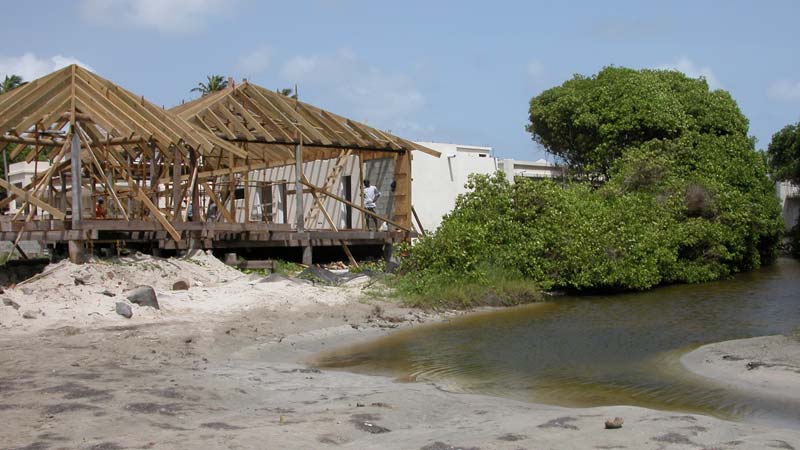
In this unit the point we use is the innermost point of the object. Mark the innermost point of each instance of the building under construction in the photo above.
(240, 168)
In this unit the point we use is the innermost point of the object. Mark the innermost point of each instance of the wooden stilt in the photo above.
(298, 189)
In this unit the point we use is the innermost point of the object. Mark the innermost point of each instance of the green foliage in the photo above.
(374, 266)
(678, 194)
(784, 154)
(451, 291)
(288, 268)
(10, 82)
(287, 92)
(590, 121)
(215, 83)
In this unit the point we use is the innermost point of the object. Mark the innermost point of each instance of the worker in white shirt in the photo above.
(371, 195)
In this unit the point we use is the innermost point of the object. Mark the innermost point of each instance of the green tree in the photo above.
(287, 92)
(590, 121)
(214, 83)
(784, 154)
(669, 189)
(11, 82)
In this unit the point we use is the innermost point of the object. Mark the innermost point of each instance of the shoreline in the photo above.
(768, 366)
(212, 371)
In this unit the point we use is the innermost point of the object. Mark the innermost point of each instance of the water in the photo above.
(600, 350)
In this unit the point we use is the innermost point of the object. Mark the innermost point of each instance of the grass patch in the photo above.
(448, 291)
(285, 268)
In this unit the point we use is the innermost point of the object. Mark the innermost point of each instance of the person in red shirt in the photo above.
(100, 210)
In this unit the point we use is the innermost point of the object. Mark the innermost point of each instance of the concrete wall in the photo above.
(438, 181)
(789, 198)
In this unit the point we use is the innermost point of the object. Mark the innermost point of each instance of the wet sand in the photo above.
(768, 365)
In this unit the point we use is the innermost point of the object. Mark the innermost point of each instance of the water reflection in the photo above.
(599, 350)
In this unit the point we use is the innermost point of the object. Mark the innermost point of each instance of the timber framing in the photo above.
(179, 177)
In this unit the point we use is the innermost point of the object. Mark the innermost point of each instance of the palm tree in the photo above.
(288, 92)
(11, 82)
(215, 83)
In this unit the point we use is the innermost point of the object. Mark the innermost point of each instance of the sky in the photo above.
(460, 72)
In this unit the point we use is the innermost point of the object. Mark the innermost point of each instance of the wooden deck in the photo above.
(205, 235)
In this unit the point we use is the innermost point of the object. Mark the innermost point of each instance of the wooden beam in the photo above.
(363, 210)
(333, 225)
(220, 206)
(75, 158)
(56, 213)
(158, 215)
(298, 188)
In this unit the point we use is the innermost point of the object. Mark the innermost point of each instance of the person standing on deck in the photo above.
(371, 195)
(100, 209)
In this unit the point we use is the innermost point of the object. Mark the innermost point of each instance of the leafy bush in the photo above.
(676, 193)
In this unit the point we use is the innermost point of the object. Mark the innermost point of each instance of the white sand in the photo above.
(216, 289)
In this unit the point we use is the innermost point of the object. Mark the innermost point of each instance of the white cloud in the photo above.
(693, 70)
(534, 69)
(30, 67)
(369, 92)
(255, 62)
(784, 90)
(166, 16)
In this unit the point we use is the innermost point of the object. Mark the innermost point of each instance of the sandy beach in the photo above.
(768, 365)
(220, 365)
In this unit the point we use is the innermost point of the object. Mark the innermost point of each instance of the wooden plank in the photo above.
(55, 212)
(220, 206)
(335, 228)
(158, 215)
(363, 210)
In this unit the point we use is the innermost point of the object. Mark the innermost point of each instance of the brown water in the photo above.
(600, 350)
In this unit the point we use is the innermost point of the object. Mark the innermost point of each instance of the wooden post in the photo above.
(246, 195)
(176, 181)
(76, 180)
(5, 162)
(308, 254)
(5, 168)
(195, 191)
(360, 190)
(298, 191)
(76, 246)
(129, 171)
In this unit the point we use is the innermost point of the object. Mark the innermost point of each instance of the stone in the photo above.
(143, 296)
(79, 281)
(29, 315)
(124, 310)
(615, 423)
(108, 293)
(11, 303)
(181, 284)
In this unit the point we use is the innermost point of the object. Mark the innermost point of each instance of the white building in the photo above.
(20, 174)
(438, 181)
(789, 198)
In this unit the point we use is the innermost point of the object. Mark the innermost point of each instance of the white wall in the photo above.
(789, 198)
(436, 182)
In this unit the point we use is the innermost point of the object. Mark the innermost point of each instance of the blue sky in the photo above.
(427, 70)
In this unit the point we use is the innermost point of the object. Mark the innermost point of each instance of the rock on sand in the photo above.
(143, 296)
(124, 310)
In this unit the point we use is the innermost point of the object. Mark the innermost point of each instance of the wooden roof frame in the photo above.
(45, 111)
(250, 114)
